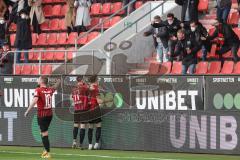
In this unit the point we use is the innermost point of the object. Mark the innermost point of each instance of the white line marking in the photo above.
(81, 155)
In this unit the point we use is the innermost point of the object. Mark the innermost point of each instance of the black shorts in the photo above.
(81, 116)
(44, 123)
(95, 115)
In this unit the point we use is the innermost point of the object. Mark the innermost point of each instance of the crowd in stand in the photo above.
(27, 13)
(181, 40)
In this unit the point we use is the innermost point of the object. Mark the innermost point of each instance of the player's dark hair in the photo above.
(79, 78)
(44, 79)
(93, 79)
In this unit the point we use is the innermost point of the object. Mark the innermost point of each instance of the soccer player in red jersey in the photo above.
(95, 112)
(43, 99)
(80, 99)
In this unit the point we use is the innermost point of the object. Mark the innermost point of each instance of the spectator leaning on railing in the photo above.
(23, 39)
(160, 34)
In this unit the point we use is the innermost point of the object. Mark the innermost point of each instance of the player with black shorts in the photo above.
(95, 112)
(43, 99)
(80, 99)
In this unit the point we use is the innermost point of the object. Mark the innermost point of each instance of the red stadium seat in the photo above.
(153, 68)
(106, 22)
(56, 10)
(115, 20)
(237, 68)
(12, 39)
(106, 8)
(228, 67)
(35, 70)
(54, 24)
(49, 55)
(203, 5)
(96, 9)
(26, 69)
(237, 31)
(34, 39)
(95, 21)
(64, 10)
(47, 10)
(47, 1)
(70, 54)
(62, 38)
(42, 39)
(72, 37)
(117, 6)
(18, 69)
(138, 4)
(165, 68)
(83, 40)
(214, 68)
(233, 18)
(46, 69)
(33, 56)
(52, 39)
(202, 68)
(45, 25)
(60, 56)
(92, 36)
(62, 25)
(176, 68)
(57, 1)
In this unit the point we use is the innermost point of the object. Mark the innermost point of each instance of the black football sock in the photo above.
(46, 143)
(98, 134)
(82, 135)
(75, 132)
(90, 135)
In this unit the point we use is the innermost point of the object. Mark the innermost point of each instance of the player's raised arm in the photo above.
(33, 103)
(56, 85)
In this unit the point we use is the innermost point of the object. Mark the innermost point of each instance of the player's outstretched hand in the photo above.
(25, 114)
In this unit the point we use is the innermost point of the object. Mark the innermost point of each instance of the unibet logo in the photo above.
(227, 101)
(112, 98)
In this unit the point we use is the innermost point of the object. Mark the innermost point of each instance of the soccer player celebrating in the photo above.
(95, 112)
(43, 99)
(79, 96)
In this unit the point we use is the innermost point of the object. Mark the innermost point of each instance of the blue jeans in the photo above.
(19, 56)
(204, 53)
(161, 53)
(191, 68)
(222, 14)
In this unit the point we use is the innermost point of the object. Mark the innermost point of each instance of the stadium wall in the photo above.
(198, 114)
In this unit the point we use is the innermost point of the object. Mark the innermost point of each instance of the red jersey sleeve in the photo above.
(37, 93)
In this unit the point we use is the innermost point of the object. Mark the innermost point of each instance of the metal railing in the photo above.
(101, 24)
(66, 62)
(136, 21)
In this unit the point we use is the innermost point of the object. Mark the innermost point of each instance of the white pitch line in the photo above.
(81, 155)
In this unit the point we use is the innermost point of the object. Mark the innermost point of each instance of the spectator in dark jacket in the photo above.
(173, 25)
(227, 40)
(23, 35)
(189, 10)
(188, 48)
(200, 34)
(3, 30)
(160, 34)
(223, 10)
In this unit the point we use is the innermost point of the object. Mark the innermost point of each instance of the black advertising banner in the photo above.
(166, 93)
(222, 93)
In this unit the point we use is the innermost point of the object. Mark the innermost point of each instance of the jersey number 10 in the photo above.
(48, 101)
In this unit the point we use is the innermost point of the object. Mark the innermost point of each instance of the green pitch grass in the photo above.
(33, 153)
